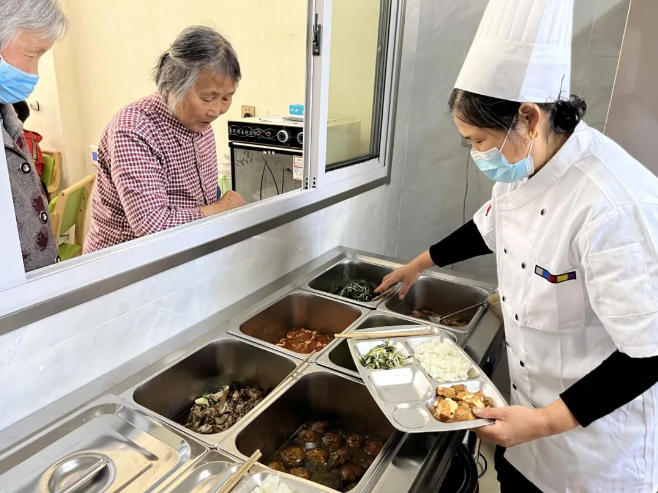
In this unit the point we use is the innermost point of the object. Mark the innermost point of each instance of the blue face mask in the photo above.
(494, 165)
(15, 85)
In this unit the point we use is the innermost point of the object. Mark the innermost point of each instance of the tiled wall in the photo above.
(434, 187)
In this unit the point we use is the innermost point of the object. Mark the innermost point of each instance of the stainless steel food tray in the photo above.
(313, 393)
(169, 393)
(338, 357)
(106, 447)
(405, 394)
(296, 310)
(442, 294)
(356, 270)
(212, 470)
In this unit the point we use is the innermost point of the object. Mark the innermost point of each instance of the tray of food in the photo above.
(424, 384)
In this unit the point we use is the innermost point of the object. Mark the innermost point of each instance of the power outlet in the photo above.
(248, 111)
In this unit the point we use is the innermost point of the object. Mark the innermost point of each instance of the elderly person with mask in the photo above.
(28, 29)
(157, 161)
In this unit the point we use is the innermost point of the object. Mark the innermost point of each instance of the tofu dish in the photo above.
(455, 404)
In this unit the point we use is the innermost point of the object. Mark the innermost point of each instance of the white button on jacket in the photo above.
(586, 227)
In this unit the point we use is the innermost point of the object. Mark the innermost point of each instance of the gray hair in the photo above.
(42, 16)
(196, 49)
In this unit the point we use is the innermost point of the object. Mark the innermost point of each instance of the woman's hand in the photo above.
(407, 275)
(230, 200)
(517, 424)
(514, 425)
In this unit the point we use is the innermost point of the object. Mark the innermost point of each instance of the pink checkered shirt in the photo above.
(153, 174)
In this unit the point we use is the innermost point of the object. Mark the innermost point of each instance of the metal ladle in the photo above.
(492, 299)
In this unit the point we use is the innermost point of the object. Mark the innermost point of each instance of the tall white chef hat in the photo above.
(521, 52)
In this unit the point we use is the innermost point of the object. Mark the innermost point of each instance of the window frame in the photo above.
(61, 286)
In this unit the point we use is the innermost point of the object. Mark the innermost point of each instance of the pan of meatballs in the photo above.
(327, 454)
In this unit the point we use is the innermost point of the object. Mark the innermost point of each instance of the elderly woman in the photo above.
(28, 29)
(157, 162)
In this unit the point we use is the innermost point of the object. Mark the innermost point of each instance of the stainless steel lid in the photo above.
(104, 448)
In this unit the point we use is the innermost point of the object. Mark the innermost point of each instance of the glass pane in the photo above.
(263, 174)
(355, 91)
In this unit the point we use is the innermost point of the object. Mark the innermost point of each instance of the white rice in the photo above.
(443, 361)
(272, 484)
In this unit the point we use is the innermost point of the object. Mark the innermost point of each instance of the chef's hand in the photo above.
(230, 200)
(407, 275)
(515, 425)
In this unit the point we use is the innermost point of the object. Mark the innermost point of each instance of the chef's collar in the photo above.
(572, 150)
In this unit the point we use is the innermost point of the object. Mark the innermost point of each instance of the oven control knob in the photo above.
(300, 137)
(283, 136)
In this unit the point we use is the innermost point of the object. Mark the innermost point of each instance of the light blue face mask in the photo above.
(495, 166)
(15, 85)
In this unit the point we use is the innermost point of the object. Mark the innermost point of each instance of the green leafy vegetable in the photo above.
(384, 357)
(356, 290)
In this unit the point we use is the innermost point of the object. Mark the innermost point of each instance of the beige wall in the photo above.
(354, 41)
(633, 116)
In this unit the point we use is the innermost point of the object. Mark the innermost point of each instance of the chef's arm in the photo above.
(619, 378)
(463, 244)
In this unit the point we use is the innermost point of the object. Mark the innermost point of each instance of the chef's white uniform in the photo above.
(577, 256)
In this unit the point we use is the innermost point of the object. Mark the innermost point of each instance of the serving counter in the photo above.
(153, 391)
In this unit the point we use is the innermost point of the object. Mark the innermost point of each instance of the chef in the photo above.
(573, 221)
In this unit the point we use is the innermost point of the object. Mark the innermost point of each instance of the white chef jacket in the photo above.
(577, 258)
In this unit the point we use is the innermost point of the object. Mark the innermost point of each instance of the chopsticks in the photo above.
(237, 477)
(294, 374)
(387, 335)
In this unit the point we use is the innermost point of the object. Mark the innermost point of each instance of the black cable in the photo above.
(273, 179)
(283, 180)
(484, 467)
(262, 176)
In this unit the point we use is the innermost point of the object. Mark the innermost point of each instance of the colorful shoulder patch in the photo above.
(541, 272)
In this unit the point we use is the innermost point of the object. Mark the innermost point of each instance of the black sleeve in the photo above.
(462, 244)
(612, 384)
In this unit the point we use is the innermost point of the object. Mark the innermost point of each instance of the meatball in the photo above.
(318, 456)
(301, 472)
(368, 463)
(320, 427)
(293, 456)
(352, 473)
(333, 440)
(373, 448)
(307, 436)
(355, 441)
(277, 466)
(350, 487)
(340, 457)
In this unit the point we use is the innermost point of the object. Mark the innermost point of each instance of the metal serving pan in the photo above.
(442, 296)
(106, 447)
(406, 394)
(352, 269)
(317, 393)
(170, 393)
(299, 310)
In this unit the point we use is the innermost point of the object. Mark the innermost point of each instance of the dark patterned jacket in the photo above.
(31, 207)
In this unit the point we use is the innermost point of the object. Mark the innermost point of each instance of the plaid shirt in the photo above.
(153, 174)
